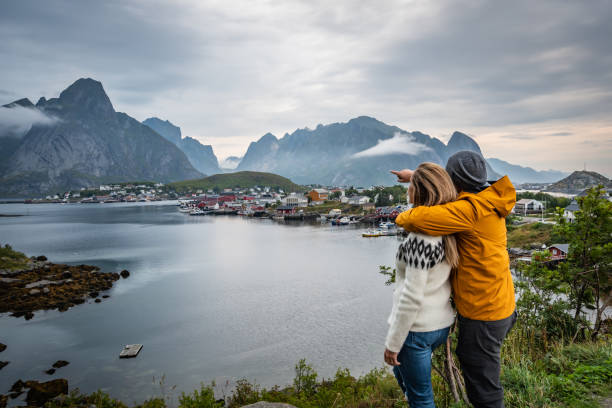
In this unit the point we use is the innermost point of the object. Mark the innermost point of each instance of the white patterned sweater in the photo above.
(421, 299)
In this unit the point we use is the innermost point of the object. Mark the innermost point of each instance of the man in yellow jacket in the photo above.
(482, 284)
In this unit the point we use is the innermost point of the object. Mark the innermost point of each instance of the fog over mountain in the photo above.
(79, 140)
(230, 163)
(360, 152)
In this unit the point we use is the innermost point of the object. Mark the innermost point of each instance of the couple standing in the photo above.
(456, 239)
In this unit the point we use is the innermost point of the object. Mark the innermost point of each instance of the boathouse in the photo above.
(285, 209)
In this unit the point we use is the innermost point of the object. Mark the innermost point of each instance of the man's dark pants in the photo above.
(478, 349)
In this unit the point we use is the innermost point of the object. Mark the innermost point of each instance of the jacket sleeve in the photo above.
(409, 304)
(443, 219)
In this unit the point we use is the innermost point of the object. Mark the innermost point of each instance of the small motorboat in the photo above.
(341, 221)
(371, 233)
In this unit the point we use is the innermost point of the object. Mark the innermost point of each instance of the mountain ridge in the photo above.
(358, 152)
(89, 144)
(523, 174)
(201, 156)
(579, 181)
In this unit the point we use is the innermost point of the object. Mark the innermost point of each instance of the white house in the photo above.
(568, 212)
(527, 206)
(358, 200)
(294, 200)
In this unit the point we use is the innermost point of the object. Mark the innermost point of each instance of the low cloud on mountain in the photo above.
(16, 121)
(400, 143)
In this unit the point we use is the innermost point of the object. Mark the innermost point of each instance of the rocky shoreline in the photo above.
(28, 285)
(43, 285)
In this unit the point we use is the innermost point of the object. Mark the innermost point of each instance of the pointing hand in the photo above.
(403, 176)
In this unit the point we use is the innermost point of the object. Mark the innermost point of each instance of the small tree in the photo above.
(589, 261)
(541, 305)
(305, 380)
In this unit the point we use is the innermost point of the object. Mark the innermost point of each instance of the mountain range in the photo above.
(79, 140)
(359, 152)
(519, 174)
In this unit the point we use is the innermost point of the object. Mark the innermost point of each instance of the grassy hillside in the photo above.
(523, 236)
(241, 179)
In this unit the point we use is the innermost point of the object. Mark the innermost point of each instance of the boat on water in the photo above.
(345, 220)
(200, 211)
(385, 229)
(341, 221)
(371, 233)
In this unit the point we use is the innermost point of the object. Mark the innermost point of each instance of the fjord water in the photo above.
(210, 298)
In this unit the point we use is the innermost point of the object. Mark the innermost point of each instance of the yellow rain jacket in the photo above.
(482, 284)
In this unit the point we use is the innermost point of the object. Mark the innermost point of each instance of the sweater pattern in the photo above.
(415, 252)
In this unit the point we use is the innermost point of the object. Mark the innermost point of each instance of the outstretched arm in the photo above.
(443, 219)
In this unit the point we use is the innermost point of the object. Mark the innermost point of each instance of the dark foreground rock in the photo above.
(125, 273)
(18, 386)
(2, 347)
(43, 285)
(3, 401)
(60, 364)
(3, 364)
(39, 393)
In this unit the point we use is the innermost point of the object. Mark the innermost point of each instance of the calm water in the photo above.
(211, 298)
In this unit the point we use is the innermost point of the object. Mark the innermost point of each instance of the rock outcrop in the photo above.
(40, 393)
(43, 285)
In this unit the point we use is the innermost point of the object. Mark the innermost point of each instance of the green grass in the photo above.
(536, 373)
(241, 179)
(523, 236)
(12, 260)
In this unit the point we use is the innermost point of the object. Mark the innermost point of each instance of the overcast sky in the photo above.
(531, 81)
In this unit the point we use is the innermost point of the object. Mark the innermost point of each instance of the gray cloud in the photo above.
(235, 70)
(18, 120)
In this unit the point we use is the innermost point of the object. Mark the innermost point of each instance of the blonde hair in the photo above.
(431, 185)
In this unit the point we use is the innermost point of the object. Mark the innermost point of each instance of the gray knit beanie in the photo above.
(468, 171)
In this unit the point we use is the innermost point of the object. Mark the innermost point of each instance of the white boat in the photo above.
(343, 221)
(371, 233)
(199, 211)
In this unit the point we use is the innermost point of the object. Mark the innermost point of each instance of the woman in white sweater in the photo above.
(422, 313)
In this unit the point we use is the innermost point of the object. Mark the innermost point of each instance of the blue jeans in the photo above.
(414, 372)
